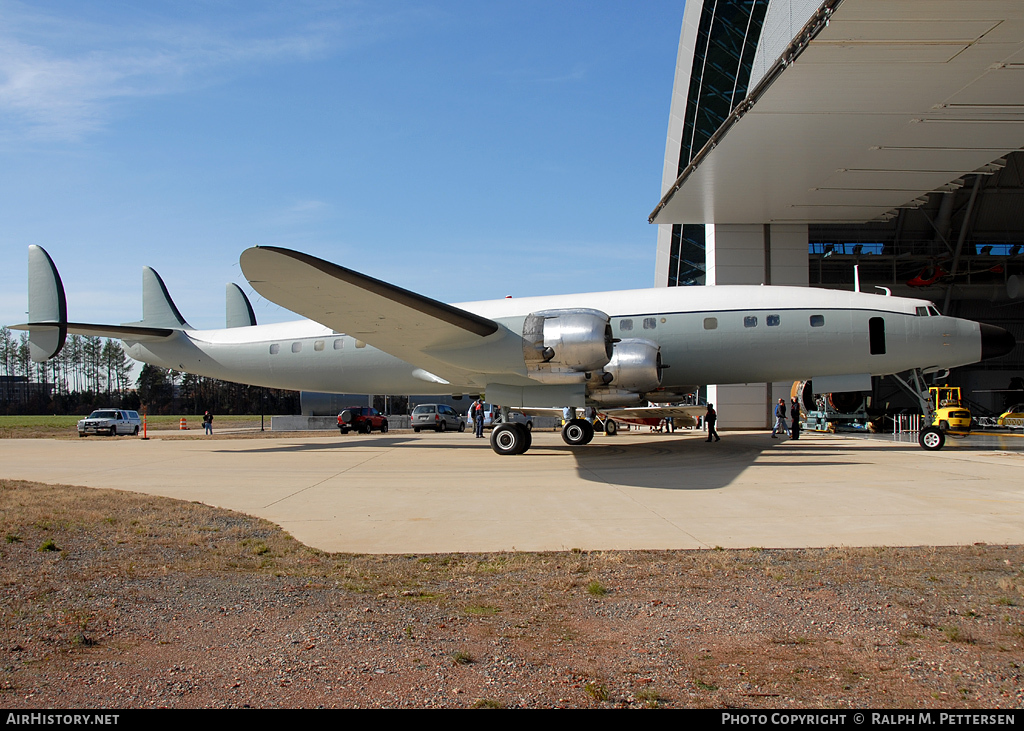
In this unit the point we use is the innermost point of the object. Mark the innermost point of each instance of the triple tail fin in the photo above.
(238, 308)
(48, 324)
(47, 307)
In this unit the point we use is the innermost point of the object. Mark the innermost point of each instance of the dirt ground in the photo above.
(117, 600)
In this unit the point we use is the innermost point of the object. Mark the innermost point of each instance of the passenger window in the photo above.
(650, 323)
(772, 321)
(339, 344)
(749, 321)
(275, 349)
(318, 345)
(817, 321)
(625, 324)
(296, 347)
(710, 323)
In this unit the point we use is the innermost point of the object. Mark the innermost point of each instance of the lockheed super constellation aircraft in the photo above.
(600, 349)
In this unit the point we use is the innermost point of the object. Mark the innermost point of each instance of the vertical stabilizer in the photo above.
(158, 309)
(238, 309)
(47, 307)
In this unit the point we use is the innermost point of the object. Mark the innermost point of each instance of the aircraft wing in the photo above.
(405, 324)
(655, 412)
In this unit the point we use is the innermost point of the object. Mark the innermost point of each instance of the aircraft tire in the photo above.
(590, 432)
(527, 435)
(932, 439)
(575, 432)
(611, 428)
(507, 439)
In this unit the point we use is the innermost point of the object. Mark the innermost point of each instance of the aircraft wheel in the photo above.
(508, 439)
(932, 439)
(590, 432)
(576, 432)
(527, 435)
(384, 427)
(611, 428)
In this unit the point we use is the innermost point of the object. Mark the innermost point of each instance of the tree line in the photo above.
(92, 372)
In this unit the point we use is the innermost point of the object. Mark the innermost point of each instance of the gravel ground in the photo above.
(117, 600)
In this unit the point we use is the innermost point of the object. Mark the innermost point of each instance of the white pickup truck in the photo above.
(110, 422)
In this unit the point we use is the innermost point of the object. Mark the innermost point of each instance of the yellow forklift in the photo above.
(951, 413)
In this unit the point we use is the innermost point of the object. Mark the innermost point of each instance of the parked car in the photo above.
(361, 419)
(438, 417)
(492, 417)
(110, 422)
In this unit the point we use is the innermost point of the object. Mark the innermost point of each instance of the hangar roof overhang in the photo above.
(875, 104)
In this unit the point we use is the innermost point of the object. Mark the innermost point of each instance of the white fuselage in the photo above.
(714, 334)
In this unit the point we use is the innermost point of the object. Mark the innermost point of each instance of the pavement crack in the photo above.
(329, 477)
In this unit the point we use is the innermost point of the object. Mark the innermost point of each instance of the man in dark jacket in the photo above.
(709, 419)
(794, 414)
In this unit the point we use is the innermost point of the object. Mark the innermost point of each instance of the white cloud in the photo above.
(60, 77)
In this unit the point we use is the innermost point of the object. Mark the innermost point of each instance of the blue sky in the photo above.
(464, 150)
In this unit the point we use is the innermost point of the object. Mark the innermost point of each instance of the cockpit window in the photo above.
(921, 311)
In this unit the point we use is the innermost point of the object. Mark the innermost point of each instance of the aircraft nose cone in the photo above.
(995, 341)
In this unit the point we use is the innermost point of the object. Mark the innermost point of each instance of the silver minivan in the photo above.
(438, 417)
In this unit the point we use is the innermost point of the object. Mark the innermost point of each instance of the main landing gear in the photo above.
(511, 438)
(577, 432)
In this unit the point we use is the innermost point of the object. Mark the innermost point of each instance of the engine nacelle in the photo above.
(576, 340)
(635, 365)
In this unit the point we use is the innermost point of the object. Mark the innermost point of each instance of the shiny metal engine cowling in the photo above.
(635, 365)
(575, 340)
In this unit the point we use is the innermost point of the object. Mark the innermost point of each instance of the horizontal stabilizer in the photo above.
(238, 308)
(123, 332)
(47, 307)
(395, 320)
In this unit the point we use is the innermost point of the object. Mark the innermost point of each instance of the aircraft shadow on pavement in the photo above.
(686, 461)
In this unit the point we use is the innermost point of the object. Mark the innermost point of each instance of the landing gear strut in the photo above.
(931, 438)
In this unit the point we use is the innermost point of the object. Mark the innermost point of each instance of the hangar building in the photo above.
(807, 137)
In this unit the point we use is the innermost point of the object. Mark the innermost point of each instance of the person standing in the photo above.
(794, 414)
(208, 423)
(780, 419)
(709, 419)
(477, 410)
